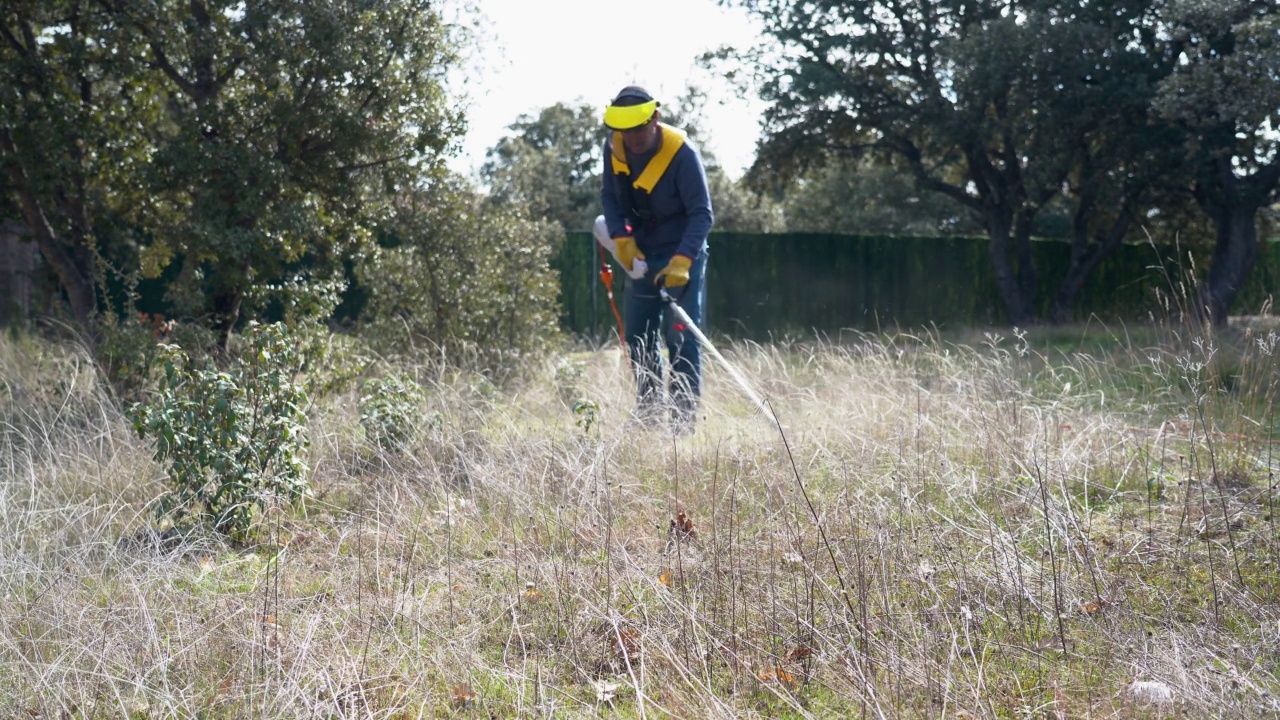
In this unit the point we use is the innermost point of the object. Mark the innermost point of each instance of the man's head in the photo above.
(634, 112)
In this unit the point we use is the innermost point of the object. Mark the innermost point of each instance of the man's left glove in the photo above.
(676, 273)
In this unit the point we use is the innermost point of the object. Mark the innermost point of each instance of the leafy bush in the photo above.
(464, 281)
(390, 410)
(126, 351)
(329, 362)
(233, 439)
(587, 412)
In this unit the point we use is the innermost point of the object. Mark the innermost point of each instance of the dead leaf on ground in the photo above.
(531, 593)
(625, 642)
(681, 528)
(1096, 605)
(778, 674)
(799, 652)
(463, 695)
(666, 577)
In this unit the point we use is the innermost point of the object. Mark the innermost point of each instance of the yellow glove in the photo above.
(676, 273)
(627, 251)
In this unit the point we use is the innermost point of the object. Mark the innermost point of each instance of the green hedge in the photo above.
(760, 285)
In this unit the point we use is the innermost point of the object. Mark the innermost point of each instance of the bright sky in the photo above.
(535, 54)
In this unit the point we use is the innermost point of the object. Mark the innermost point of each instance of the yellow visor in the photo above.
(630, 116)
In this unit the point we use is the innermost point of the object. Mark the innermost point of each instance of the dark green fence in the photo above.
(760, 285)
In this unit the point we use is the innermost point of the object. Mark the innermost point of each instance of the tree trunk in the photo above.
(1234, 252)
(1004, 206)
(1232, 203)
(1085, 258)
(1028, 275)
(226, 313)
(1010, 278)
(79, 286)
(16, 264)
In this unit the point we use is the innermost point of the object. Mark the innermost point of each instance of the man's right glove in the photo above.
(627, 252)
(639, 268)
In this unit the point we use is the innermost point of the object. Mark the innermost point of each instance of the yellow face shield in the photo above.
(630, 116)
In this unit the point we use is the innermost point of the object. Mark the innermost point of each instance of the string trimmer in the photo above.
(697, 332)
(638, 271)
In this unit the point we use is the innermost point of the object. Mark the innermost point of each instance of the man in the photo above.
(657, 211)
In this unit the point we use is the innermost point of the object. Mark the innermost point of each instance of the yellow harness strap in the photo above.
(672, 141)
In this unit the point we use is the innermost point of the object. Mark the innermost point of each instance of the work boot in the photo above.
(682, 425)
(684, 417)
(646, 415)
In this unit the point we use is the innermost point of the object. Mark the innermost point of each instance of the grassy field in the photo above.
(1059, 524)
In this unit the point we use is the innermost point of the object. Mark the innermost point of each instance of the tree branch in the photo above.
(162, 61)
(29, 35)
(157, 49)
(13, 40)
(200, 13)
(908, 150)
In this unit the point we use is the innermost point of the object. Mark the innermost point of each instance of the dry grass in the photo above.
(996, 530)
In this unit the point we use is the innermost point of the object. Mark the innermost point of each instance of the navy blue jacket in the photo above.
(680, 200)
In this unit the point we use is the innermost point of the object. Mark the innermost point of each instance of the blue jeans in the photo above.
(648, 320)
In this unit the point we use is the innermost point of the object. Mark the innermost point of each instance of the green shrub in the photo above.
(232, 438)
(126, 352)
(464, 282)
(391, 410)
(330, 362)
(587, 412)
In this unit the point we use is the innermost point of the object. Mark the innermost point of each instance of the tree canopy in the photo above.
(551, 164)
(849, 194)
(1010, 106)
(1224, 94)
(233, 138)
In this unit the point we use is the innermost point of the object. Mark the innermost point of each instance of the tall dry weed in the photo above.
(1008, 528)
